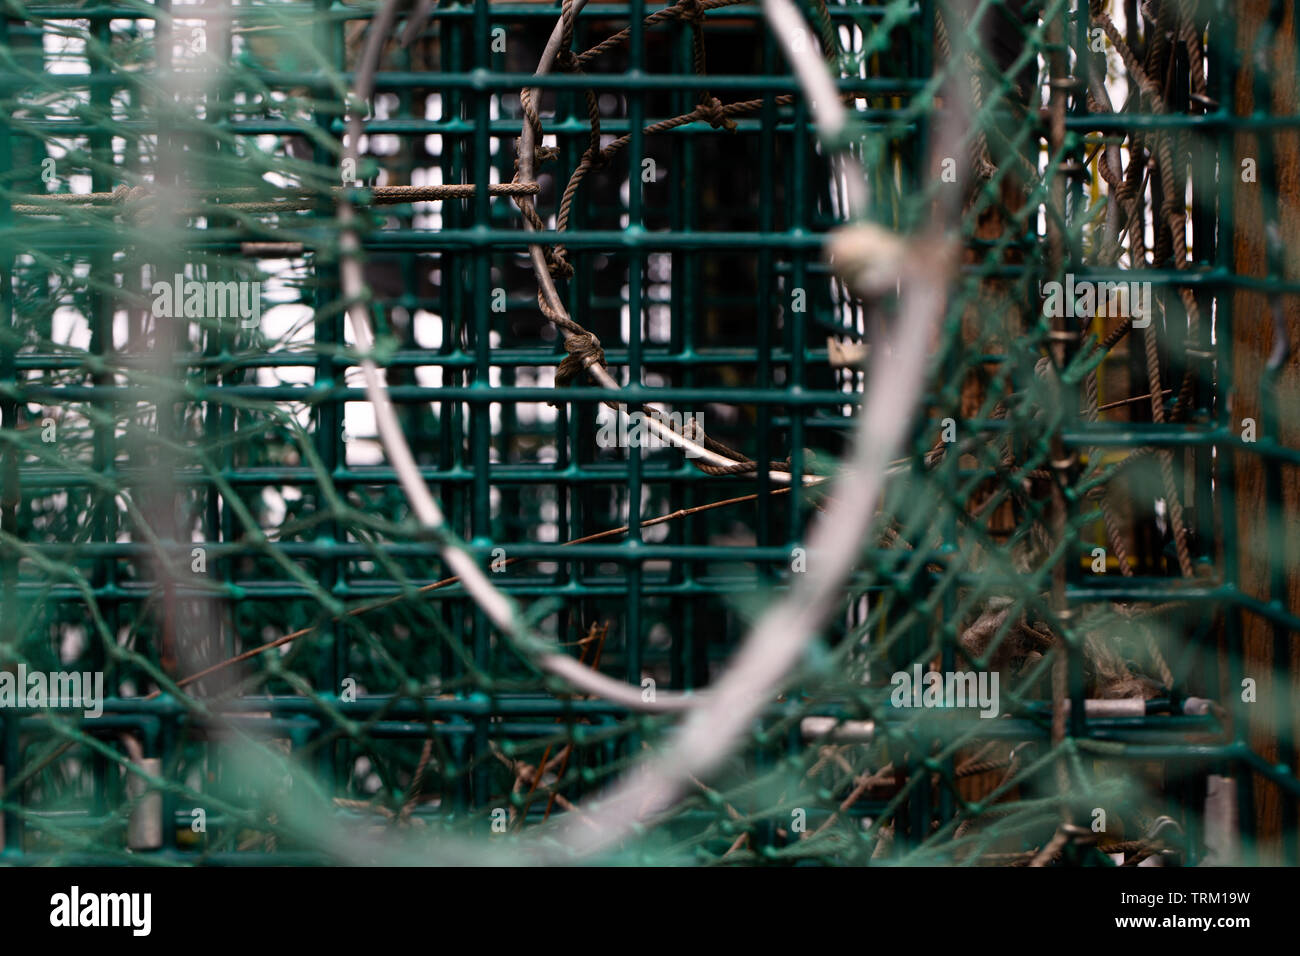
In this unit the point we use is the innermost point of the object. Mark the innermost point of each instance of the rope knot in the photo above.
(568, 61)
(133, 200)
(712, 112)
(541, 155)
(125, 194)
(691, 11)
(584, 351)
(558, 265)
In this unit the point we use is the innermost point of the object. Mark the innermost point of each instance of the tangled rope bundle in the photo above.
(585, 354)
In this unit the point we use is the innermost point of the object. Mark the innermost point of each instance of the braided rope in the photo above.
(1174, 216)
(583, 349)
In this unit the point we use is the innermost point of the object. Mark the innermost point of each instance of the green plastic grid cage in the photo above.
(208, 489)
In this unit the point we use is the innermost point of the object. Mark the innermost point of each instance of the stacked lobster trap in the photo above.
(416, 420)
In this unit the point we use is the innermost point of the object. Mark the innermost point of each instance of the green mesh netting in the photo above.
(274, 661)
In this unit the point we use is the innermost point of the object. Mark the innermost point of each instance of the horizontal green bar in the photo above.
(134, 858)
(1211, 122)
(1274, 611)
(255, 591)
(483, 705)
(501, 476)
(1130, 436)
(500, 358)
(624, 551)
(480, 80)
(1197, 277)
(502, 127)
(338, 12)
(26, 235)
(478, 394)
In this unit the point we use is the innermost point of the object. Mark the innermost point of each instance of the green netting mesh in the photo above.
(226, 636)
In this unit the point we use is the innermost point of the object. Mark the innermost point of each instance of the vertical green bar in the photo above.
(677, 207)
(480, 410)
(765, 305)
(798, 224)
(9, 484)
(328, 436)
(690, 312)
(636, 305)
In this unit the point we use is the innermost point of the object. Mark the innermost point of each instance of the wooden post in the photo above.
(1251, 341)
